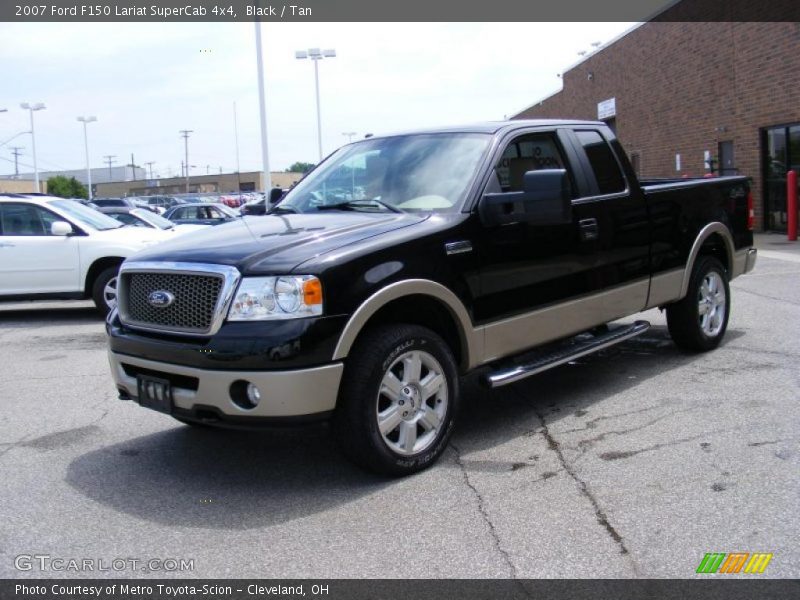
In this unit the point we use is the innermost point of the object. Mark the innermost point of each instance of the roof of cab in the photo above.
(493, 127)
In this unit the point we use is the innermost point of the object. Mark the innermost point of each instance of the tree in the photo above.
(66, 188)
(300, 167)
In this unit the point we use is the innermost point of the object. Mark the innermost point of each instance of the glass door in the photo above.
(780, 153)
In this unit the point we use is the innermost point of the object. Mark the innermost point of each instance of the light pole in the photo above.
(33, 108)
(262, 108)
(349, 135)
(86, 121)
(316, 55)
(185, 134)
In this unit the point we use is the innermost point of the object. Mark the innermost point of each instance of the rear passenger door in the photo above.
(611, 219)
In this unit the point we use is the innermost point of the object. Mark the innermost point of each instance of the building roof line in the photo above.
(583, 59)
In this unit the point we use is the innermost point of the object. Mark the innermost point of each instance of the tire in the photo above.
(385, 380)
(698, 322)
(104, 290)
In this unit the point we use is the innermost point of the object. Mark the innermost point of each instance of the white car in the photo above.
(56, 248)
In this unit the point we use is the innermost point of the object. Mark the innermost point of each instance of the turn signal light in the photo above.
(312, 292)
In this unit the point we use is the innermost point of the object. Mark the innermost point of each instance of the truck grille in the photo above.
(198, 299)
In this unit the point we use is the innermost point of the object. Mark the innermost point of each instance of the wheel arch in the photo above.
(97, 267)
(714, 239)
(422, 302)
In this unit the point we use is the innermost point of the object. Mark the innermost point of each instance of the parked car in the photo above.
(57, 248)
(504, 246)
(163, 203)
(200, 214)
(140, 217)
(231, 200)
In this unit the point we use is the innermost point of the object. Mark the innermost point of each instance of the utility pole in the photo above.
(150, 164)
(15, 150)
(185, 134)
(208, 169)
(109, 159)
(133, 167)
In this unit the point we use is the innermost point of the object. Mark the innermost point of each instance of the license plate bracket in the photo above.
(154, 393)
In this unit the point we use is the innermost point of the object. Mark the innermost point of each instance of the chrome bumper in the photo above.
(283, 393)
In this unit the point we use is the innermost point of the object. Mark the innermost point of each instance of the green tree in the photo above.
(66, 188)
(300, 167)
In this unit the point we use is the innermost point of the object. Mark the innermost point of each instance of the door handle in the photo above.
(589, 230)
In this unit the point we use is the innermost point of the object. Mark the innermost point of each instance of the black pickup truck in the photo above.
(402, 262)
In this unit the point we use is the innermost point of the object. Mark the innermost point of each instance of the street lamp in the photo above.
(33, 108)
(349, 135)
(316, 55)
(86, 121)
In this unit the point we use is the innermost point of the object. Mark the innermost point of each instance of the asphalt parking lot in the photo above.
(631, 463)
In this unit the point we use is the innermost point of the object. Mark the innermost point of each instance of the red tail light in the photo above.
(751, 215)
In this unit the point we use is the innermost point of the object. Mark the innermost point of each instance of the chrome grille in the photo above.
(195, 300)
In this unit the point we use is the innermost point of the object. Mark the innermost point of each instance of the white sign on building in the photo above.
(607, 109)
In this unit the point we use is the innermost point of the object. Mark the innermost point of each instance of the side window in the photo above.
(604, 164)
(530, 152)
(26, 219)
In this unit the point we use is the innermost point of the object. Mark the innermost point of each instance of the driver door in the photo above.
(32, 260)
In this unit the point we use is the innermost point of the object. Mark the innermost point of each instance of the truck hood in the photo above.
(276, 244)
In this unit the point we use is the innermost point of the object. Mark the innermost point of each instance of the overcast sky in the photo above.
(145, 82)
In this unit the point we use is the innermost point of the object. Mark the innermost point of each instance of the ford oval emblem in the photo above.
(160, 298)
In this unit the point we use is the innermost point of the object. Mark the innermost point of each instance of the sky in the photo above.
(147, 81)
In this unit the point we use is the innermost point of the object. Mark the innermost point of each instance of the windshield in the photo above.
(86, 216)
(152, 218)
(424, 172)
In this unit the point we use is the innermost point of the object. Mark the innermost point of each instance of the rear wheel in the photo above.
(398, 400)
(698, 322)
(104, 290)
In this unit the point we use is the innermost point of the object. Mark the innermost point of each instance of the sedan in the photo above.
(140, 217)
(200, 214)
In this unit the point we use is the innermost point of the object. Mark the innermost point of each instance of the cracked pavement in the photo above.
(630, 463)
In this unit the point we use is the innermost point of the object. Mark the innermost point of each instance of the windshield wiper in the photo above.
(356, 204)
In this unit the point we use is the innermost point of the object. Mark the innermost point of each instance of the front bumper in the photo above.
(205, 395)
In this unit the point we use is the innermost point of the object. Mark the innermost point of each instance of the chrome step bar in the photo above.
(547, 360)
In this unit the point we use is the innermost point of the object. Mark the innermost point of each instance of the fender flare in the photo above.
(702, 236)
(471, 341)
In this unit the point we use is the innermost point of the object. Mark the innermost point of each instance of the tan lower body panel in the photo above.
(283, 393)
(513, 335)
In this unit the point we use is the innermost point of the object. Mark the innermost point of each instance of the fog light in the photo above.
(244, 394)
(253, 395)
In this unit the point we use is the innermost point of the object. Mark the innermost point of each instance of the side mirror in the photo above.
(544, 200)
(275, 196)
(61, 228)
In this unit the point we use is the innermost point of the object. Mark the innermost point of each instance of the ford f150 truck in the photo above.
(402, 262)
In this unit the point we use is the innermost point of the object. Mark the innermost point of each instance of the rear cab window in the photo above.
(603, 163)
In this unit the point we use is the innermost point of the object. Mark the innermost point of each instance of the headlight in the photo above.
(288, 297)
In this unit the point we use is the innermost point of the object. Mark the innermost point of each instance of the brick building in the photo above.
(689, 98)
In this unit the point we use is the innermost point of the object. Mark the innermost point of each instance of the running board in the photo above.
(561, 355)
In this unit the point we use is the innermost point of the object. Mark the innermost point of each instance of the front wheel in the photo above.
(104, 290)
(698, 322)
(398, 400)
